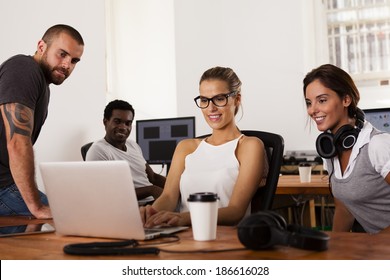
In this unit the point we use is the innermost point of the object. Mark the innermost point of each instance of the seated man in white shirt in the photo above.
(118, 119)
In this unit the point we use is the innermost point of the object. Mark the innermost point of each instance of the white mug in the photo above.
(305, 173)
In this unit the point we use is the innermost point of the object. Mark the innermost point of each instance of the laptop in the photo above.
(95, 199)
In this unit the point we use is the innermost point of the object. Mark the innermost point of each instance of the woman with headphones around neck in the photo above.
(357, 156)
(227, 162)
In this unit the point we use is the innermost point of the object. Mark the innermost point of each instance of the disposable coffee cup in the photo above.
(204, 214)
(305, 172)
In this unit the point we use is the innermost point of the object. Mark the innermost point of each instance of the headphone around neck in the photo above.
(329, 145)
(266, 229)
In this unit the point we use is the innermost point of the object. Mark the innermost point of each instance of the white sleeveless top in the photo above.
(210, 169)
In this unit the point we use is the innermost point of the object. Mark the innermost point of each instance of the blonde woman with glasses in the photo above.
(227, 162)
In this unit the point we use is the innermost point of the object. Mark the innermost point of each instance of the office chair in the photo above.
(274, 147)
(84, 149)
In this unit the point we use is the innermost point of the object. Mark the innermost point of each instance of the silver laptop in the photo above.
(95, 199)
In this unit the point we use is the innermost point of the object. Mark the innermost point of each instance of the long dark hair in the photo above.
(337, 80)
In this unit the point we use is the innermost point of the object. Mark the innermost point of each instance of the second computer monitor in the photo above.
(379, 118)
(158, 137)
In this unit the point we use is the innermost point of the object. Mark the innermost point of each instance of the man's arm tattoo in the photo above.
(19, 118)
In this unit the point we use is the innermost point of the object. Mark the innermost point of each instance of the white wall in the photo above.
(170, 44)
(141, 56)
(159, 49)
(76, 106)
(163, 47)
(266, 43)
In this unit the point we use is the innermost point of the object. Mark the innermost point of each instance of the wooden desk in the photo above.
(290, 184)
(293, 169)
(319, 185)
(49, 246)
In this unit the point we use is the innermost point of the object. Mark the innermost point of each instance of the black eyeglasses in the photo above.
(219, 100)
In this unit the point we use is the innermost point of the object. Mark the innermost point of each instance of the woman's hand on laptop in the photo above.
(164, 218)
(146, 212)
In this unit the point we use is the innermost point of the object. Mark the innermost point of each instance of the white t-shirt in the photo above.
(102, 150)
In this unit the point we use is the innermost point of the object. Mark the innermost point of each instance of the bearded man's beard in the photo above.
(49, 72)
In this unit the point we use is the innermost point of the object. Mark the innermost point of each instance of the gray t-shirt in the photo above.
(21, 81)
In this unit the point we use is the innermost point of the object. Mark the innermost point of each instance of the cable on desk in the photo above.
(131, 247)
(125, 247)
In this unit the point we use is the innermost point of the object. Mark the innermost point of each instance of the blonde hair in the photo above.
(223, 74)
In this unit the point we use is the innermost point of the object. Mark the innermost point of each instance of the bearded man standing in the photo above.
(24, 100)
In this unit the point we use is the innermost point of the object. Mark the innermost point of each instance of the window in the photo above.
(358, 36)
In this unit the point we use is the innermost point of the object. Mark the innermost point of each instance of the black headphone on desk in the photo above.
(266, 229)
(328, 145)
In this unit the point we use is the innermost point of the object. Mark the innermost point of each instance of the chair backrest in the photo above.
(84, 149)
(274, 146)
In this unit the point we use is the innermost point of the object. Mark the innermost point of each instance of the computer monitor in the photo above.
(158, 137)
(379, 118)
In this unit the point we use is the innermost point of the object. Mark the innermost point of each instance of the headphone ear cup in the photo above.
(265, 229)
(325, 145)
(345, 137)
(307, 238)
(277, 219)
(262, 230)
